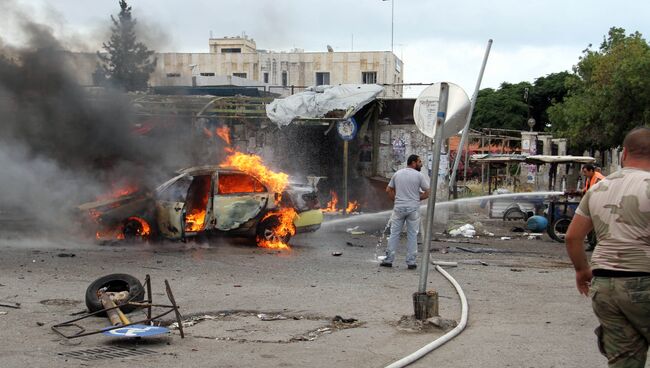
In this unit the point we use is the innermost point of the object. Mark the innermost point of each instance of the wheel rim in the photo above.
(560, 228)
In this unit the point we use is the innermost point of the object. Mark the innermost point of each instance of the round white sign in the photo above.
(425, 110)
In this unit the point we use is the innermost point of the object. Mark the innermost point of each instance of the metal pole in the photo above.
(392, 23)
(345, 177)
(431, 203)
(452, 179)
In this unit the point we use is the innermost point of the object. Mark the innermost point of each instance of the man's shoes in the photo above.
(386, 264)
(412, 267)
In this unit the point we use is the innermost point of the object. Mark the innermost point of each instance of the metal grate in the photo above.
(108, 352)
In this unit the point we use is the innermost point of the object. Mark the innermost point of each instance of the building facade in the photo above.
(237, 61)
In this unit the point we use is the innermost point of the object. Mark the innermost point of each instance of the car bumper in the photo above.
(308, 221)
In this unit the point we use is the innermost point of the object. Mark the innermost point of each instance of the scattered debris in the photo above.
(518, 229)
(474, 262)
(506, 238)
(3, 313)
(40, 323)
(336, 254)
(355, 231)
(266, 317)
(344, 320)
(466, 231)
(442, 323)
(516, 270)
(63, 255)
(350, 244)
(10, 305)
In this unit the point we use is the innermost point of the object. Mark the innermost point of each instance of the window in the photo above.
(231, 50)
(207, 74)
(240, 75)
(322, 78)
(285, 79)
(369, 77)
(266, 77)
(173, 75)
(230, 183)
(177, 191)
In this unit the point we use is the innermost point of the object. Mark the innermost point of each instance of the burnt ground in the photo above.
(524, 309)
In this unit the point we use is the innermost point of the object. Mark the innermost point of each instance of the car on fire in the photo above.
(202, 200)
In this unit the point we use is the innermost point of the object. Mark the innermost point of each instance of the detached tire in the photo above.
(114, 282)
(557, 230)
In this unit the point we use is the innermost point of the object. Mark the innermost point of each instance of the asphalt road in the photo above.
(524, 309)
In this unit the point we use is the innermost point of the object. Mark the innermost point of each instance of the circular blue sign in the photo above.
(135, 331)
(347, 129)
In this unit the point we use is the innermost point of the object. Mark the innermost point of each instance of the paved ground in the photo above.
(524, 309)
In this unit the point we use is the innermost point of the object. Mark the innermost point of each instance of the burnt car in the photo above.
(201, 200)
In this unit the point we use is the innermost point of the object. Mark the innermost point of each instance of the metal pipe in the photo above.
(463, 138)
(431, 203)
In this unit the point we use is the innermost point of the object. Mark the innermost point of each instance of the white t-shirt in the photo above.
(407, 183)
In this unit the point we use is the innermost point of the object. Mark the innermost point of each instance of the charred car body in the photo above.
(206, 199)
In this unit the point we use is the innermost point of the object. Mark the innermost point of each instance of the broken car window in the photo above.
(239, 183)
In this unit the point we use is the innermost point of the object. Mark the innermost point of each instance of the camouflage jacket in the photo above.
(619, 208)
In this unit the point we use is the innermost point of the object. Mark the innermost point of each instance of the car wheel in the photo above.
(266, 230)
(557, 230)
(134, 230)
(514, 214)
(114, 283)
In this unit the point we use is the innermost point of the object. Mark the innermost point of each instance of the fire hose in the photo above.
(444, 338)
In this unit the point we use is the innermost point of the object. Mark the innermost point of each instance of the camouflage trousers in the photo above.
(622, 305)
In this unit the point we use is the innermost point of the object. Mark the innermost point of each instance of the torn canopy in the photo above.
(339, 102)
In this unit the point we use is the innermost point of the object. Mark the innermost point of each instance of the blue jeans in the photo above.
(410, 215)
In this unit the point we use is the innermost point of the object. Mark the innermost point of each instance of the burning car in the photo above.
(209, 199)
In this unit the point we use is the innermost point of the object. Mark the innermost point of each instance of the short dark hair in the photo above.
(412, 159)
(589, 167)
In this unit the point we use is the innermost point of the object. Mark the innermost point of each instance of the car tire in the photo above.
(132, 230)
(515, 214)
(114, 282)
(557, 230)
(266, 230)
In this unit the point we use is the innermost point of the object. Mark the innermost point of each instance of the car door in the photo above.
(170, 206)
(238, 198)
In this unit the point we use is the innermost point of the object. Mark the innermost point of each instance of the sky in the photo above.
(437, 41)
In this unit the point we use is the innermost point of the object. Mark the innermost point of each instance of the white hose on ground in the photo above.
(444, 338)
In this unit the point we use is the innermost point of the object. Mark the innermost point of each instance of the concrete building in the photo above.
(238, 57)
(237, 61)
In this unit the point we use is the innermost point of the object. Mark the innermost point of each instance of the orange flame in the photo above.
(252, 165)
(118, 192)
(194, 220)
(276, 181)
(285, 217)
(224, 133)
(331, 205)
(352, 206)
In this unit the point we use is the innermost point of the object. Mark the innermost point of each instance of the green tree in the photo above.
(126, 62)
(609, 93)
(504, 108)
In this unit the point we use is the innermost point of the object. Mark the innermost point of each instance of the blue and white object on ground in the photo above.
(537, 223)
(135, 331)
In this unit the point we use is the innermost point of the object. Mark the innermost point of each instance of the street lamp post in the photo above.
(392, 23)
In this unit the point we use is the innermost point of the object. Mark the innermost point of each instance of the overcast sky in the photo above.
(437, 40)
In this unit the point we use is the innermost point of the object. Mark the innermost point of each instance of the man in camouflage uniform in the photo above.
(618, 280)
